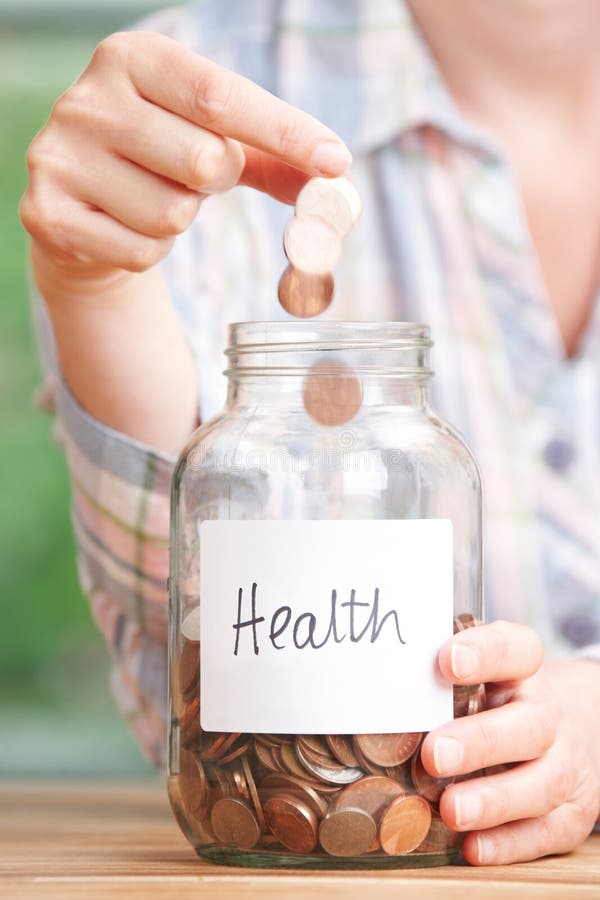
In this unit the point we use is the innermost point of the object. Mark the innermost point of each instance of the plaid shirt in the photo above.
(443, 239)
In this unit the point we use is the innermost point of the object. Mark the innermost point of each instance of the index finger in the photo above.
(501, 651)
(175, 78)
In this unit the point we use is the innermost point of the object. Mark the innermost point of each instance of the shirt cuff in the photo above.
(121, 500)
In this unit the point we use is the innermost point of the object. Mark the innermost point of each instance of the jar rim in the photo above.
(307, 334)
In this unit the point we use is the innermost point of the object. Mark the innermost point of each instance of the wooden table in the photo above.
(96, 840)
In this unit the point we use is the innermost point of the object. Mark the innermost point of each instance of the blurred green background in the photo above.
(56, 712)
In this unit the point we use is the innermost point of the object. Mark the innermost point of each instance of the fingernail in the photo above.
(448, 755)
(465, 661)
(331, 158)
(467, 809)
(485, 849)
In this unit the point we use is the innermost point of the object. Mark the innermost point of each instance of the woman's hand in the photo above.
(149, 130)
(547, 802)
(126, 158)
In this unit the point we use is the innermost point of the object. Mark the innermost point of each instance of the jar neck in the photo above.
(248, 392)
(272, 362)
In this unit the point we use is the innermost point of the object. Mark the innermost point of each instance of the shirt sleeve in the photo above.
(120, 514)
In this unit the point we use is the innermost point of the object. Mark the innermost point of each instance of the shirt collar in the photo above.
(364, 68)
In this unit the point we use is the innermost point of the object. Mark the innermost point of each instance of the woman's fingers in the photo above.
(144, 202)
(521, 730)
(532, 789)
(226, 103)
(78, 235)
(161, 142)
(558, 831)
(502, 651)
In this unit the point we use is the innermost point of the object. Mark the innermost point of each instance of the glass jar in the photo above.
(326, 540)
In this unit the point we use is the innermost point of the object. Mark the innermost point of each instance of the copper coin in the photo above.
(305, 295)
(233, 822)
(235, 753)
(464, 621)
(404, 824)
(251, 784)
(335, 200)
(190, 724)
(373, 794)
(189, 669)
(427, 785)
(439, 837)
(312, 245)
(347, 832)
(341, 747)
(292, 822)
(332, 393)
(338, 775)
(290, 784)
(192, 783)
(290, 761)
(190, 627)
(211, 744)
(388, 749)
(317, 752)
(264, 755)
(369, 767)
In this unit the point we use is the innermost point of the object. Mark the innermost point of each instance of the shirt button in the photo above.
(559, 454)
(580, 629)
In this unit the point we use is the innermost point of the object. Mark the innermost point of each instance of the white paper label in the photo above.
(325, 627)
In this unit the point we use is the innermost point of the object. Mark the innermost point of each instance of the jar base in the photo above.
(272, 859)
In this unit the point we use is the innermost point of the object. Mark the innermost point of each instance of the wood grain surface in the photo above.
(64, 840)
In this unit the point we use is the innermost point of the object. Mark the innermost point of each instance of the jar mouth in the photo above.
(371, 349)
(317, 336)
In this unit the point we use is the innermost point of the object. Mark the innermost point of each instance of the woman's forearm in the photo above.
(123, 352)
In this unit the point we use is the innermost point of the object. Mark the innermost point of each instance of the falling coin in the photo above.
(334, 199)
(388, 749)
(332, 393)
(404, 824)
(347, 832)
(304, 295)
(292, 822)
(312, 245)
(233, 822)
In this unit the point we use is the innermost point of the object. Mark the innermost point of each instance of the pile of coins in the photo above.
(325, 211)
(329, 795)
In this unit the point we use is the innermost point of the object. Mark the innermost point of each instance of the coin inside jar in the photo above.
(192, 783)
(304, 295)
(233, 822)
(372, 794)
(404, 824)
(292, 822)
(439, 837)
(347, 832)
(190, 626)
(388, 749)
(427, 785)
(332, 393)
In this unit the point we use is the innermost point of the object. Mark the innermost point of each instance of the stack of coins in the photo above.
(308, 795)
(325, 211)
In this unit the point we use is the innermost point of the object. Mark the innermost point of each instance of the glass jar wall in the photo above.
(326, 460)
